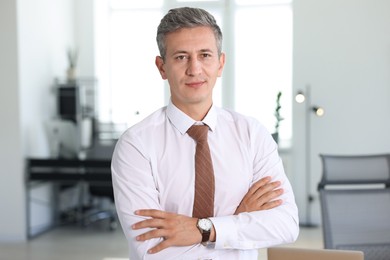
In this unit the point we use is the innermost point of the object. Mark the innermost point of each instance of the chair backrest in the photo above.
(290, 253)
(359, 169)
(356, 213)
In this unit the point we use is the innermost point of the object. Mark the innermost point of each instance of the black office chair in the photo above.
(355, 204)
(98, 212)
(98, 179)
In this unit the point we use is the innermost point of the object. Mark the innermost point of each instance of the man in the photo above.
(154, 166)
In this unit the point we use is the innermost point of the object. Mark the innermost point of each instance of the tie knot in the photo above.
(198, 132)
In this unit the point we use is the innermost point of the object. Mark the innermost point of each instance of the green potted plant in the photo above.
(278, 117)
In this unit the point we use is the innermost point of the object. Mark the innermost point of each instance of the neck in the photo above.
(197, 111)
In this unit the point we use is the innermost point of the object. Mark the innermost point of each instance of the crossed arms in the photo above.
(180, 230)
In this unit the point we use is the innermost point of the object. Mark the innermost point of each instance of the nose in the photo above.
(194, 67)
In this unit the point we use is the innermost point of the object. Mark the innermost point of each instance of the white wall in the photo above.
(84, 37)
(12, 202)
(342, 49)
(45, 32)
(34, 37)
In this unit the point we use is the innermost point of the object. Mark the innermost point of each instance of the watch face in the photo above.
(205, 224)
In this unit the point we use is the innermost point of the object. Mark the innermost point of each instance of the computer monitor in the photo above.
(67, 97)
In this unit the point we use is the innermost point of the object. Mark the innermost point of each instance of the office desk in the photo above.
(92, 174)
(69, 170)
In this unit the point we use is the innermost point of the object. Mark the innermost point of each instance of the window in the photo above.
(130, 86)
(257, 41)
(263, 63)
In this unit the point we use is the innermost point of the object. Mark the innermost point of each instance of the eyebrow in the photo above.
(206, 50)
(186, 52)
(179, 52)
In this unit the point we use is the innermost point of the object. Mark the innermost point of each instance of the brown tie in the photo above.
(204, 173)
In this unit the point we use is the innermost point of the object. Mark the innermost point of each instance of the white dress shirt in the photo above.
(153, 167)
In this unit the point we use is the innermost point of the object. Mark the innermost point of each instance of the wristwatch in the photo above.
(204, 225)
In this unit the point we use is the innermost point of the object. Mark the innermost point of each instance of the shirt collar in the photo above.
(182, 122)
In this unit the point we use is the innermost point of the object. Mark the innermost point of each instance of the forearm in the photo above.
(140, 249)
(266, 216)
(163, 233)
(258, 229)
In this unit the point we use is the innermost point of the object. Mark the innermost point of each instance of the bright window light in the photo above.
(263, 64)
(181, 1)
(262, 2)
(126, 4)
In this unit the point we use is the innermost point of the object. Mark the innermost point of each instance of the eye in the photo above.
(206, 55)
(181, 57)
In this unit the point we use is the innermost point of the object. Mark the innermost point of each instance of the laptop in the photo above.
(290, 253)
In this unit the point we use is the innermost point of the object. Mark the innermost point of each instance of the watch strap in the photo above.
(205, 236)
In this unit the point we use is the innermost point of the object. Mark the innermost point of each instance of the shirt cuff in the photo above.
(225, 232)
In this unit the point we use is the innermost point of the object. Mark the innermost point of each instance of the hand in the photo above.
(175, 229)
(261, 196)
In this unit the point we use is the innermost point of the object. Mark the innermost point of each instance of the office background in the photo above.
(340, 48)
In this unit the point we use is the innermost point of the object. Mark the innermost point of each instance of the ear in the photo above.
(221, 64)
(160, 66)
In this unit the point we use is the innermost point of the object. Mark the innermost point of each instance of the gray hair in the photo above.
(186, 17)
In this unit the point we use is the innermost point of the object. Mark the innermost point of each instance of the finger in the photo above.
(272, 204)
(155, 233)
(267, 188)
(161, 246)
(269, 196)
(154, 213)
(257, 185)
(148, 223)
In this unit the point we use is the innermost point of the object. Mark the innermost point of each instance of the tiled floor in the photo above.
(73, 243)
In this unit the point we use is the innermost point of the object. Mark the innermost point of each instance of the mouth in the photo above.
(195, 84)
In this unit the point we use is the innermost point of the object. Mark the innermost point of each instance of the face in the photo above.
(191, 66)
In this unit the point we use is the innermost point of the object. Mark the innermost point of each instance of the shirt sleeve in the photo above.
(265, 228)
